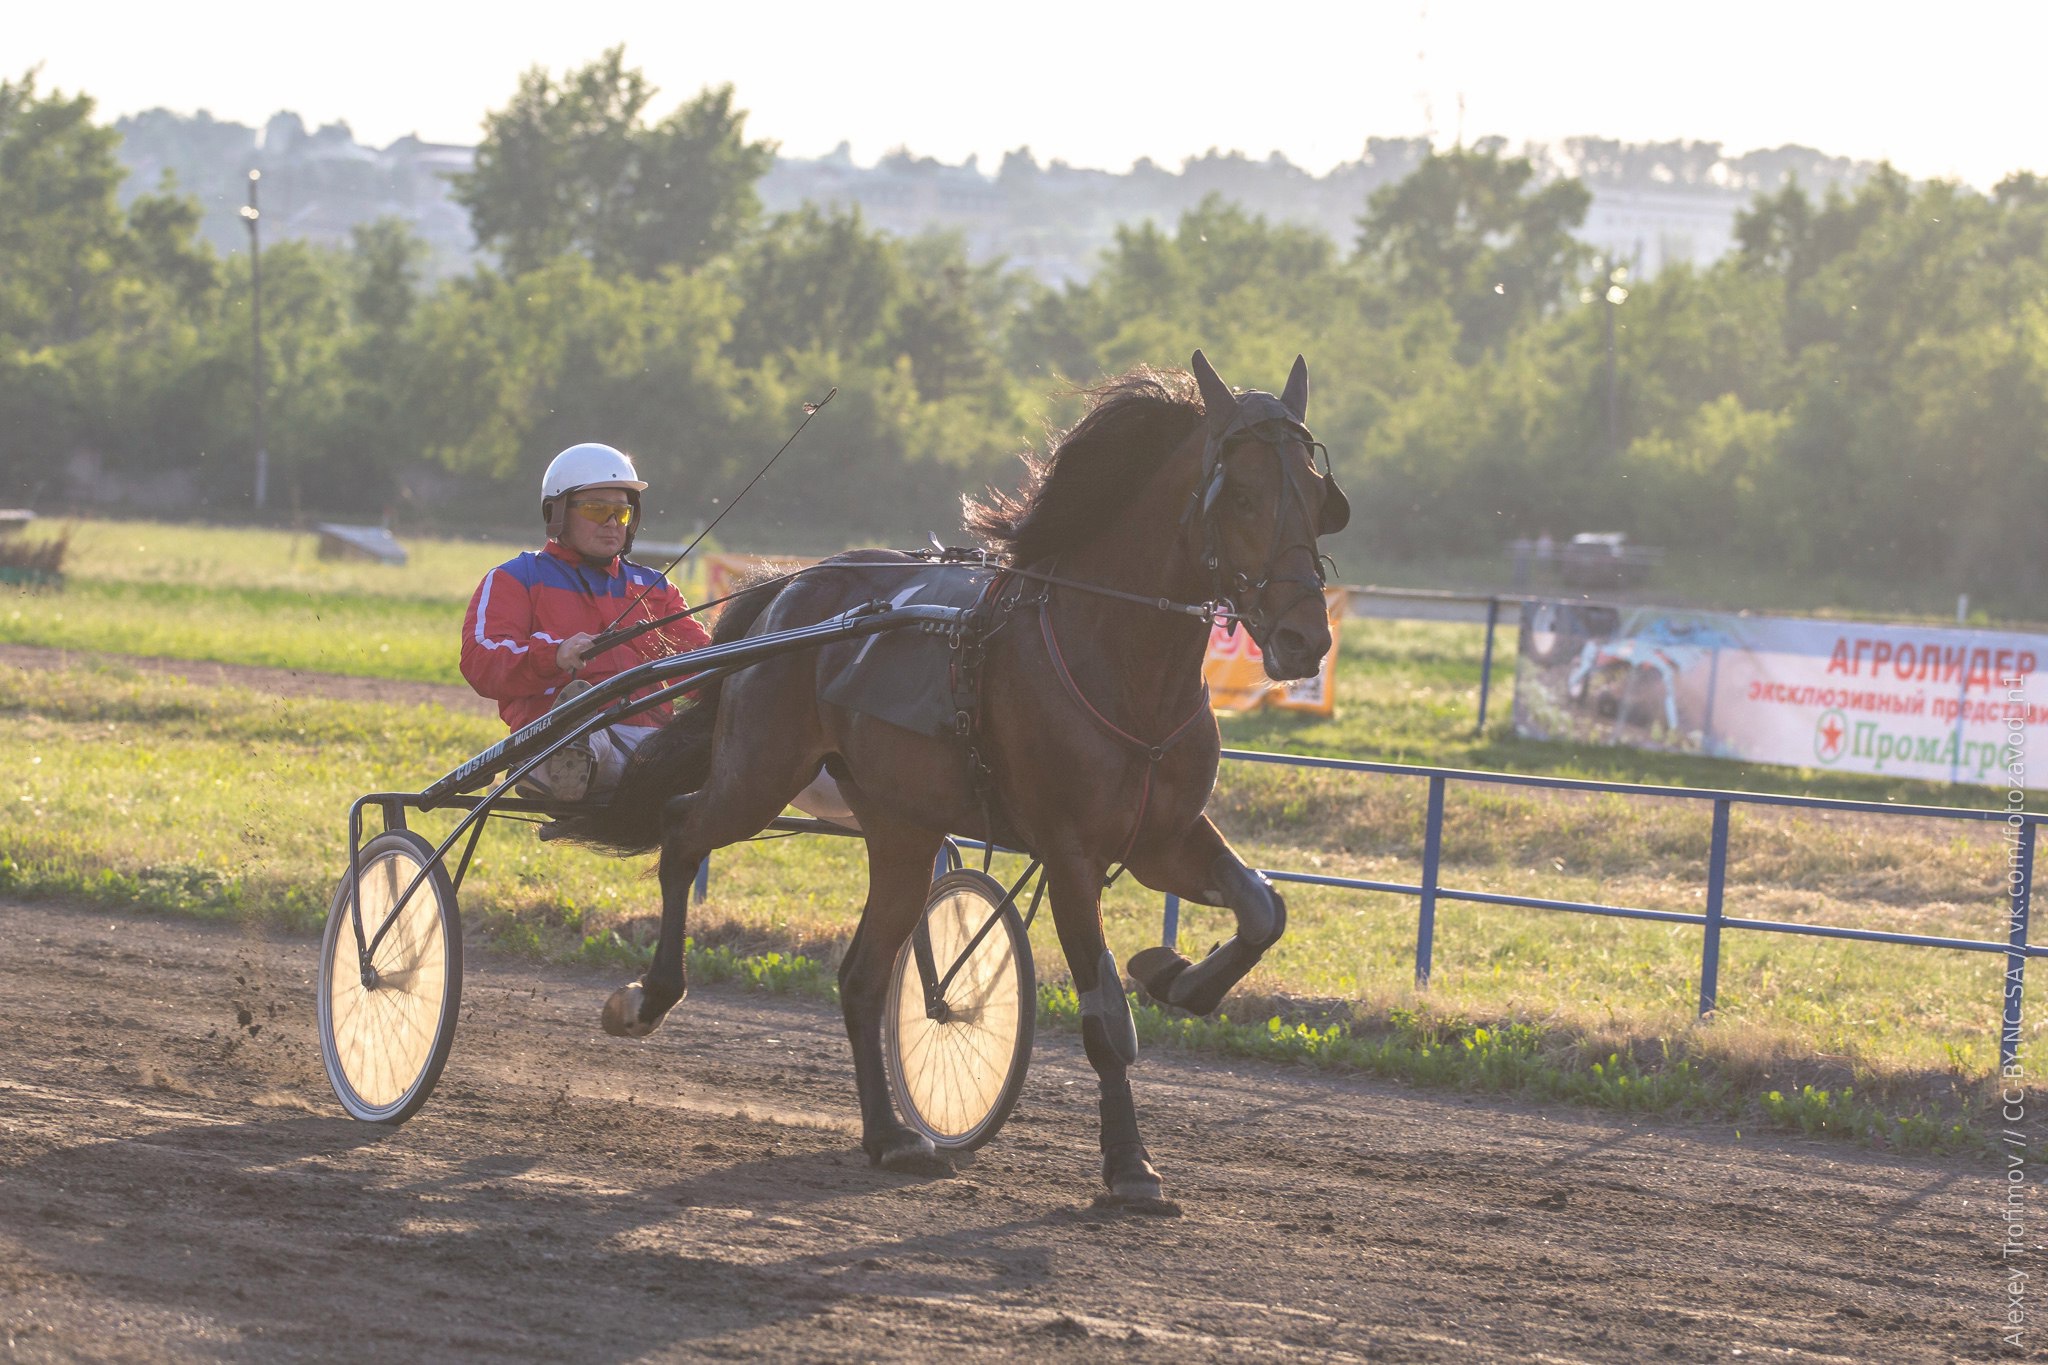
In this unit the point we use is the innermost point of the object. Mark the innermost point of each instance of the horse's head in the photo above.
(1259, 504)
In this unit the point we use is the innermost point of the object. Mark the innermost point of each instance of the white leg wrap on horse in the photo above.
(1111, 1009)
(823, 800)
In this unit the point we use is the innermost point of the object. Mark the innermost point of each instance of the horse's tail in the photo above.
(673, 760)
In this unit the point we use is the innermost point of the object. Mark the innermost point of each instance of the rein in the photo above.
(1216, 612)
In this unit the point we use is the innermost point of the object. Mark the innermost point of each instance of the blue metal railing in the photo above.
(1714, 918)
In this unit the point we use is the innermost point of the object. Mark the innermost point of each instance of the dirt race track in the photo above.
(176, 1182)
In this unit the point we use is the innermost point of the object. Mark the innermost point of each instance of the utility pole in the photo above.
(1613, 283)
(252, 216)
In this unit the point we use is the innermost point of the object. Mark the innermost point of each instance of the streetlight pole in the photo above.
(252, 216)
(1614, 292)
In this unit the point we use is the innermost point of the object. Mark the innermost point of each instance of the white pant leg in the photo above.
(823, 799)
(615, 744)
(612, 747)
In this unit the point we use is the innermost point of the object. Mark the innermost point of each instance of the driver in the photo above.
(526, 637)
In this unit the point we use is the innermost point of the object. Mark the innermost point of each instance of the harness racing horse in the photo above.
(1170, 500)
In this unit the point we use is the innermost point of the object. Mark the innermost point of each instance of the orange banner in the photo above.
(724, 573)
(1236, 672)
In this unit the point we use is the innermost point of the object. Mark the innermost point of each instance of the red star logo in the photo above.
(1831, 736)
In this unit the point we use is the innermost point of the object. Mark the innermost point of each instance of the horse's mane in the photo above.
(1094, 470)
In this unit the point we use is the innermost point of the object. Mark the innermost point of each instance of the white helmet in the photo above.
(588, 465)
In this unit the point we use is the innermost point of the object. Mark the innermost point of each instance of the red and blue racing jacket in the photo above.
(527, 606)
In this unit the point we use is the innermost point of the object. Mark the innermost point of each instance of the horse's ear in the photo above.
(1217, 400)
(1295, 396)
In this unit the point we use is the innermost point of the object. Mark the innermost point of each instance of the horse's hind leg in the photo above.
(731, 806)
(1108, 1034)
(900, 862)
(1201, 868)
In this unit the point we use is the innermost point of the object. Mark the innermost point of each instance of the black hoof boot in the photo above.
(1155, 970)
(1197, 987)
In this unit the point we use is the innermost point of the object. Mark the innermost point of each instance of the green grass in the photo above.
(244, 557)
(368, 636)
(243, 596)
(153, 793)
(1408, 691)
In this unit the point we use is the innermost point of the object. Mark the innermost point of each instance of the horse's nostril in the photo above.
(1290, 642)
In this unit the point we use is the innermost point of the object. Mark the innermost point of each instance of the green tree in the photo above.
(815, 280)
(574, 166)
(508, 371)
(99, 309)
(1471, 229)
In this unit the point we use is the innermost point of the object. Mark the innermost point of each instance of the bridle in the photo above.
(1259, 416)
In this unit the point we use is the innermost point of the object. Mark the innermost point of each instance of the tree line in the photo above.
(1859, 388)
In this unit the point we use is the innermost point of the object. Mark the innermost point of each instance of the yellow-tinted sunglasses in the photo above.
(603, 513)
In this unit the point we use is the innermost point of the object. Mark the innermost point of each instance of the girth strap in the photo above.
(970, 654)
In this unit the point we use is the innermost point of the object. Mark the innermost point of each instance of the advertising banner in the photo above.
(1236, 672)
(724, 573)
(1925, 702)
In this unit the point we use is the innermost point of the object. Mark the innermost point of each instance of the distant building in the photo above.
(1653, 205)
(1653, 229)
(316, 186)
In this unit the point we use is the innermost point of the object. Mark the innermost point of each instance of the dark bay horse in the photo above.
(1095, 727)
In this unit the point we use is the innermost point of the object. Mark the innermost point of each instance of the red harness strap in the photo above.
(1152, 753)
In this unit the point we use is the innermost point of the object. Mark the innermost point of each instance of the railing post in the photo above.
(1169, 930)
(701, 888)
(1486, 662)
(1432, 852)
(2020, 888)
(1717, 882)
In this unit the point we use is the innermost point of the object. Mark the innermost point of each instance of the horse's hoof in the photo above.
(913, 1154)
(1155, 970)
(1197, 987)
(622, 1013)
(1128, 1171)
(1139, 1185)
(1150, 1204)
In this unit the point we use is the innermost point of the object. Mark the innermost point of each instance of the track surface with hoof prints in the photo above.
(176, 1182)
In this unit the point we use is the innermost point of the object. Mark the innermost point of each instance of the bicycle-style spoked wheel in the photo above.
(956, 1065)
(385, 1039)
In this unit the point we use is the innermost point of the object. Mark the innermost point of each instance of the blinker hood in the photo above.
(1258, 415)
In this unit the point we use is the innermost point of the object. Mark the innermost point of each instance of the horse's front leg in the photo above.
(1200, 867)
(1107, 1031)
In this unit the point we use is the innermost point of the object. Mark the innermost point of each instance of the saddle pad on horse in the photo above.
(906, 677)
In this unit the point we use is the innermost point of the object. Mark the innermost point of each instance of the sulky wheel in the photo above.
(956, 1064)
(385, 1039)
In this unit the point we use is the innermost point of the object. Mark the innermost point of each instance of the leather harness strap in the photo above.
(1151, 753)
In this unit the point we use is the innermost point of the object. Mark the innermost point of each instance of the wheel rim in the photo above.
(383, 1038)
(952, 1071)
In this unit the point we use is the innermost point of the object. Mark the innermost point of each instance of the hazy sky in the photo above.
(1942, 90)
